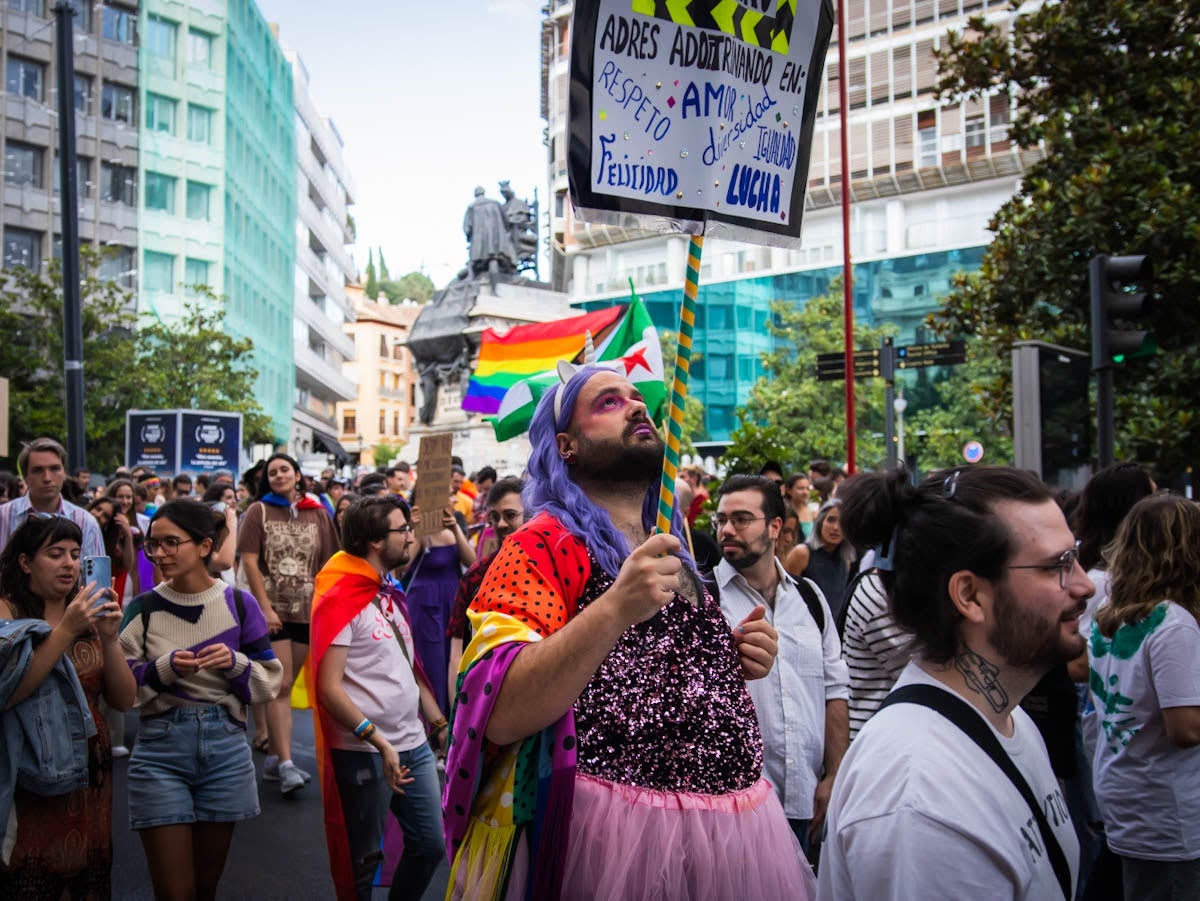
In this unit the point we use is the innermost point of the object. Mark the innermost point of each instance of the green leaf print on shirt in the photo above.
(1129, 637)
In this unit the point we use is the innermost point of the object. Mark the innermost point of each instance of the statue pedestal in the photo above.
(515, 302)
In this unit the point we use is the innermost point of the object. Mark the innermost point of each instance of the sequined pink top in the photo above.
(668, 709)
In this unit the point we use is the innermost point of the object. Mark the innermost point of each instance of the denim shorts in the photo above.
(191, 765)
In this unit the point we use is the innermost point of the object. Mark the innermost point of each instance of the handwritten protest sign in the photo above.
(697, 111)
(432, 491)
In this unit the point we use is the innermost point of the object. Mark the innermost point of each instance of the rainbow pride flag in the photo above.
(507, 357)
(517, 365)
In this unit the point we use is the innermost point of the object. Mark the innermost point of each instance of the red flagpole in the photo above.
(847, 273)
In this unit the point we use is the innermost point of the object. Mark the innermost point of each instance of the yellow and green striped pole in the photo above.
(683, 360)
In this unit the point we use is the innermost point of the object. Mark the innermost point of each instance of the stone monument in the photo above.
(492, 291)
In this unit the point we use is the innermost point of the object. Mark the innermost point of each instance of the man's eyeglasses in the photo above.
(512, 517)
(168, 546)
(402, 529)
(1065, 564)
(739, 521)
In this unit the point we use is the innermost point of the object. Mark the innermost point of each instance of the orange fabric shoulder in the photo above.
(537, 576)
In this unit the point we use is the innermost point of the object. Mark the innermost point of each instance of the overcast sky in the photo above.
(431, 100)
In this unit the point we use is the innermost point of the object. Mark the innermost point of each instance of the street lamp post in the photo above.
(900, 405)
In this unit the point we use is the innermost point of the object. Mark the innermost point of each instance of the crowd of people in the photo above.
(814, 686)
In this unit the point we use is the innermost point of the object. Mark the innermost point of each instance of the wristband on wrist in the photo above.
(438, 725)
(362, 727)
(368, 732)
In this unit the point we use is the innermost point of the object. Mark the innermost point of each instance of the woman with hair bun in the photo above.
(200, 653)
(1145, 643)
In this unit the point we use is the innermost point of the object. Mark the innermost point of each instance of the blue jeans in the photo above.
(366, 799)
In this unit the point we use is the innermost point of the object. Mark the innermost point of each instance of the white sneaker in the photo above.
(271, 769)
(291, 777)
(120, 751)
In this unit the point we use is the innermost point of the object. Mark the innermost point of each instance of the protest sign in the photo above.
(697, 111)
(432, 491)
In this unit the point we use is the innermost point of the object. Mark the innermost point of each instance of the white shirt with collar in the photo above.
(15, 512)
(790, 700)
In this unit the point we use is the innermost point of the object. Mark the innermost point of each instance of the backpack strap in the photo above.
(963, 715)
(239, 602)
(844, 614)
(811, 600)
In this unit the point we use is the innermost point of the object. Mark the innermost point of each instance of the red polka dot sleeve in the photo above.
(537, 577)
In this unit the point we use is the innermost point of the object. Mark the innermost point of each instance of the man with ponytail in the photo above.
(947, 792)
(604, 743)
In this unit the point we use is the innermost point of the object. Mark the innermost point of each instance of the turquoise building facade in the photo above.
(216, 179)
(732, 315)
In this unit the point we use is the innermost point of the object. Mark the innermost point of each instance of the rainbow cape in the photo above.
(517, 365)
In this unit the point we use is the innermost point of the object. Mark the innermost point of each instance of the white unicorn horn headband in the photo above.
(567, 370)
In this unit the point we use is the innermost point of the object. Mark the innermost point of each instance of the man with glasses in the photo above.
(43, 464)
(370, 696)
(947, 791)
(802, 702)
(505, 513)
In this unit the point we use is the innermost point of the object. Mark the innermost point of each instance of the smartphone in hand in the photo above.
(98, 570)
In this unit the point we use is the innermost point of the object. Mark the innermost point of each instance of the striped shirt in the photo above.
(875, 649)
(15, 512)
(162, 621)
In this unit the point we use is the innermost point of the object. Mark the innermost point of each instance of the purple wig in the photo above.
(550, 488)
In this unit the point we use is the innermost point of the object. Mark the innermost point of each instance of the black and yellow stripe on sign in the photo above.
(729, 17)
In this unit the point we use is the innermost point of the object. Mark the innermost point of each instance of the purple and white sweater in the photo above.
(160, 622)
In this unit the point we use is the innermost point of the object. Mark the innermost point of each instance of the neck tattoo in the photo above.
(982, 677)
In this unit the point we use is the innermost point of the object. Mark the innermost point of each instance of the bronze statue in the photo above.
(487, 231)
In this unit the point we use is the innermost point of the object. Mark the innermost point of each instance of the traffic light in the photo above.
(1120, 297)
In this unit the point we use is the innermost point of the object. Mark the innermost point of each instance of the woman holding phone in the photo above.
(64, 843)
(200, 654)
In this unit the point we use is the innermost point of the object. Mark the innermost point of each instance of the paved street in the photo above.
(279, 855)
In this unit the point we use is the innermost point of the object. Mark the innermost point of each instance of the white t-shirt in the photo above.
(379, 679)
(1147, 788)
(920, 811)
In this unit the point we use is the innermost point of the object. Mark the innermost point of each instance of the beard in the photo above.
(639, 463)
(1027, 637)
(399, 558)
(746, 554)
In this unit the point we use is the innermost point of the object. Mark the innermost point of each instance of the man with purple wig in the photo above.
(604, 743)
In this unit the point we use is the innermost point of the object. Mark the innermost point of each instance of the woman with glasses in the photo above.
(284, 539)
(200, 653)
(1145, 685)
(63, 844)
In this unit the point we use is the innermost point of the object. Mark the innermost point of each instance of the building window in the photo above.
(349, 423)
(199, 197)
(117, 266)
(83, 176)
(975, 132)
(119, 24)
(160, 37)
(199, 124)
(383, 348)
(26, 78)
(22, 247)
(382, 424)
(158, 272)
(33, 7)
(200, 45)
(83, 17)
(160, 114)
(395, 423)
(160, 192)
(397, 350)
(927, 146)
(118, 184)
(23, 164)
(195, 275)
(116, 102)
(83, 95)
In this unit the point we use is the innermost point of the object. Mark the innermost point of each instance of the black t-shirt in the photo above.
(1053, 706)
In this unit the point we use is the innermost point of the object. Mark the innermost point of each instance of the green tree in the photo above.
(194, 363)
(371, 286)
(804, 418)
(414, 286)
(31, 358)
(1112, 90)
(384, 275)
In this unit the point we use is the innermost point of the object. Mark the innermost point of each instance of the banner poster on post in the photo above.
(209, 441)
(432, 491)
(151, 440)
(696, 116)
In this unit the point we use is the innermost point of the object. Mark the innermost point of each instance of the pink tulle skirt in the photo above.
(633, 843)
